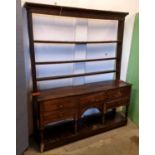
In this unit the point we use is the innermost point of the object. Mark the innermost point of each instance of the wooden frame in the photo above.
(103, 95)
(73, 12)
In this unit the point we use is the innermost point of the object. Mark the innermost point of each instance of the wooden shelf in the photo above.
(76, 42)
(73, 75)
(73, 61)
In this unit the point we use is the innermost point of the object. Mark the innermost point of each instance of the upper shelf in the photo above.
(77, 42)
(74, 61)
(74, 75)
(74, 12)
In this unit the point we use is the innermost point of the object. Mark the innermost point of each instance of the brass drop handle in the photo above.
(119, 93)
(60, 106)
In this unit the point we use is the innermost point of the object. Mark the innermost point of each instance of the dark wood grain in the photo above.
(119, 47)
(74, 75)
(32, 53)
(76, 42)
(73, 61)
(95, 87)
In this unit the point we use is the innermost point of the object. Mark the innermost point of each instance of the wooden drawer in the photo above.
(106, 95)
(49, 117)
(117, 103)
(118, 93)
(91, 98)
(58, 104)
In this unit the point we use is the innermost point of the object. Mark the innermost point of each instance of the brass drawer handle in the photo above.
(61, 106)
(119, 93)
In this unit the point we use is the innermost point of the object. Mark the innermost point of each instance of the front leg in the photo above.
(104, 113)
(41, 139)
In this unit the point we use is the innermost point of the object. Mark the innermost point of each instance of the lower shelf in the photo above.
(63, 133)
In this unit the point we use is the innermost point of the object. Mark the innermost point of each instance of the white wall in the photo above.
(130, 6)
(21, 94)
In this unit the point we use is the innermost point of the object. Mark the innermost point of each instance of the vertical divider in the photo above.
(85, 66)
(74, 52)
(36, 106)
(119, 47)
(32, 54)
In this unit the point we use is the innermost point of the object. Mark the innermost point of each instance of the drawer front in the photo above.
(91, 98)
(117, 103)
(118, 93)
(49, 117)
(58, 104)
(106, 95)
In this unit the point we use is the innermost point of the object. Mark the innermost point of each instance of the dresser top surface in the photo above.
(81, 89)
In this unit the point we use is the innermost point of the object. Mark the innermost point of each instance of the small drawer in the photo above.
(117, 103)
(91, 98)
(50, 117)
(118, 93)
(58, 104)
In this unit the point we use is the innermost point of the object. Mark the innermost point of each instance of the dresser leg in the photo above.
(113, 111)
(76, 124)
(126, 111)
(42, 147)
(104, 114)
(41, 140)
(103, 118)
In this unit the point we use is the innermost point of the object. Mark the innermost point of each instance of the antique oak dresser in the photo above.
(58, 112)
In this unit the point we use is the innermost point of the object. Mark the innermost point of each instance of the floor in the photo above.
(120, 141)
